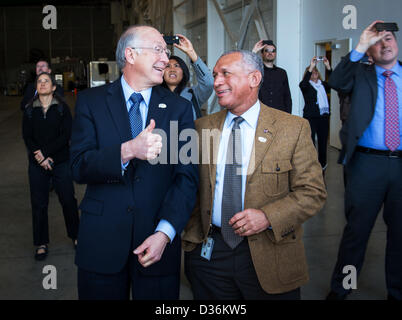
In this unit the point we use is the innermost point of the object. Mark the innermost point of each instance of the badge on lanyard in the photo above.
(207, 247)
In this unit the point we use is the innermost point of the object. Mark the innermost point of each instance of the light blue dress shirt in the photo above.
(374, 136)
(247, 129)
(163, 226)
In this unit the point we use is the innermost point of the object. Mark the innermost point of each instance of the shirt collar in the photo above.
(128, 91)
(250, 116)
(397, 69)
(273, 68)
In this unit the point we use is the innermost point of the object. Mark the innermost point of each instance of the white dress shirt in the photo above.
(163, 226)
(247, 129)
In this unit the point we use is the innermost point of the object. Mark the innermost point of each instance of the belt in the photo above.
(214, 229)
(387, 153)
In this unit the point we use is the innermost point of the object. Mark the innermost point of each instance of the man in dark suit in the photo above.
(133, 212)
(372, 155)
(30, 91)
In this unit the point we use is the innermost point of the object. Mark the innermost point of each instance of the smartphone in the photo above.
(387, 26)
(268, 42)
(320, 59)
(171, 39)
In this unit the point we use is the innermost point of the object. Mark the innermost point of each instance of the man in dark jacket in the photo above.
(275, 91)
(372, 155)
(133, 211)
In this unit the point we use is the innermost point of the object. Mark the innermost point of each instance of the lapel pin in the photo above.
(262, 139)
(162, 106)
(265, 130)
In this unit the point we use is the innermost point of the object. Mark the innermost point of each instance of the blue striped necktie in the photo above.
(134, 114)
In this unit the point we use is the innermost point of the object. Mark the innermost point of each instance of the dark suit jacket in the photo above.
(29, 93)
(361, 81)
(120, 211)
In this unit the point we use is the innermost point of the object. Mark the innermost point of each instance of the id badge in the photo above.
(207, 247)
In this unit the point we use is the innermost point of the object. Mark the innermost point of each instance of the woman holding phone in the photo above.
(46, 131)
(177, 75)
(317, 109)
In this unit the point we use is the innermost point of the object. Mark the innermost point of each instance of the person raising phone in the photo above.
(177, 76)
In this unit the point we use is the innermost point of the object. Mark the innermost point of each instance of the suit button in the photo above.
(278, 169)
(129, 209)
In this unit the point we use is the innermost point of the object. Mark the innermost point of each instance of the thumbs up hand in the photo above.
(146, 146)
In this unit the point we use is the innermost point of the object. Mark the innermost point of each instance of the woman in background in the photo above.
(46, 131)
(177, 76)
(316, 109)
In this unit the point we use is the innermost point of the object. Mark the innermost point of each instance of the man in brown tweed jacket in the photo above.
(281, 187)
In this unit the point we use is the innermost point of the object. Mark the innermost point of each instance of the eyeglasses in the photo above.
(157, 49)
(269, 50)
(43, 80)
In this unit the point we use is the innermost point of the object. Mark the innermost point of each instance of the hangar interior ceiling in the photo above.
(89, 30)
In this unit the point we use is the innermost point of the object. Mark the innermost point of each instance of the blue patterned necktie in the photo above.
(232, 185)
(134, 114)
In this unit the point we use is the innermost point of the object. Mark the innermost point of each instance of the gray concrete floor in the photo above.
(21, 276)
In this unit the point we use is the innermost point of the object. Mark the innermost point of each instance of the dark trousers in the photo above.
(372, 181)
(39, 185)
(95, 286)
(320, 127)
(230, 275)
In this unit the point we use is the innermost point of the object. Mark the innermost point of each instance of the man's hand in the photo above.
(369, 37)
(151, 250)
(249, 222)
(258, 46)
(46, 164)
(39, 156)
(186, 46)
(146, 146)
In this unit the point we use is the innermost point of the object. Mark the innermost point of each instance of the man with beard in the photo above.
(275, 91)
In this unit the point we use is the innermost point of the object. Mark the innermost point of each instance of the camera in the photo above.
(388, 26)
(320, 59)
(268, 42)
(171, 39)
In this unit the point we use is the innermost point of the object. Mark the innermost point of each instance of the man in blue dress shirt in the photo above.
(372, 155)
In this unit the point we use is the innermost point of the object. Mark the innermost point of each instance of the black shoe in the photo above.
(333, 296)
(41, 256)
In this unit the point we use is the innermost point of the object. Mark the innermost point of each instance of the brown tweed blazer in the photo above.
(284, 181)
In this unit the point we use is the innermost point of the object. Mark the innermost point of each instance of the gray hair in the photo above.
(130, 38)
(252, 61)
